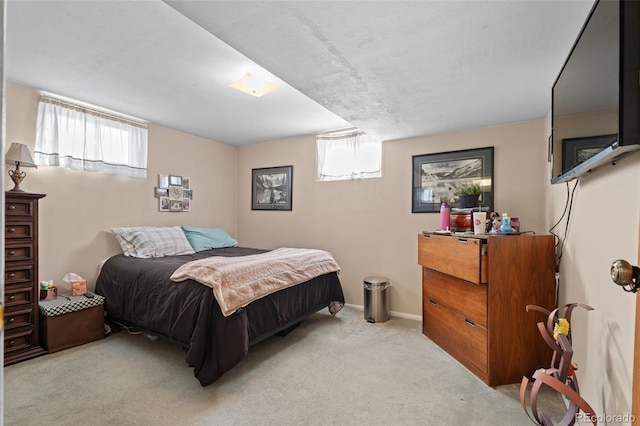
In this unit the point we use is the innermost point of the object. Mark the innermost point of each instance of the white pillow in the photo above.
(127, 247)
(149, 241)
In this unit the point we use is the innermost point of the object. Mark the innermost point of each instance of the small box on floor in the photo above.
(70, 321)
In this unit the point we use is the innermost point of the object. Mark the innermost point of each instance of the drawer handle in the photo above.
(11, 275)
(462, 240)
(12, 342)
(12, 297)
(11, 230)
(471, 323)
(11, 207)
(433, 302)
(11, 252)
(11, 320)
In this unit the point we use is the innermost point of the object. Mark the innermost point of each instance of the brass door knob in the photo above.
(625, 275)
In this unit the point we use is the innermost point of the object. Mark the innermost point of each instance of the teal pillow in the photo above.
(208, 238)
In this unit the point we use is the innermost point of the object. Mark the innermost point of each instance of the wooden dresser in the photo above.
(21, 292)
(475, 290)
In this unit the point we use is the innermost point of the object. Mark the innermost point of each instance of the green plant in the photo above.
(470, 189)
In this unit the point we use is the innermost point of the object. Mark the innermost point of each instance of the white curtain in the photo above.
(79, 138)
(353, 155)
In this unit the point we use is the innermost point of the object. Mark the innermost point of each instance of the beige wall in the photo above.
(604, 227)
(81, 207)
(367, 224)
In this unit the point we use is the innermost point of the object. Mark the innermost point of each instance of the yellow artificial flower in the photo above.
(562, 327)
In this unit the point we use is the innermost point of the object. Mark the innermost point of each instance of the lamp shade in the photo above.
(19, 153)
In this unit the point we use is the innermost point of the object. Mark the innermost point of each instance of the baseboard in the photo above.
(392, 313)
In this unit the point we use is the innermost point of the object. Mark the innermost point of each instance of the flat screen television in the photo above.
(596, 97)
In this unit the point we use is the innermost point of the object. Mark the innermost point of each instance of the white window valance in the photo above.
(348, 155)
(77, 137)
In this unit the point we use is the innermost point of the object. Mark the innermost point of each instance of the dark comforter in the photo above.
(139, 292)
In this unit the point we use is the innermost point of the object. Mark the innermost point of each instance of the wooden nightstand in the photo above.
(70, 321)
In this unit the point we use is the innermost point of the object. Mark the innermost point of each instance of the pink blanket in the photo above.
(238, 281)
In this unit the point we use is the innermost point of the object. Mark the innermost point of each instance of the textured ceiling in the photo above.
(392, 68)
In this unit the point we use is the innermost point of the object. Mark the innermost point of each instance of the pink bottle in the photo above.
(445, 215)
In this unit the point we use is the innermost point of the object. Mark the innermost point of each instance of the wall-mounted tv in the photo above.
(596, 97)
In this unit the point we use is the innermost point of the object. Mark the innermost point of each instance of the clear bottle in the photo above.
(445, 215)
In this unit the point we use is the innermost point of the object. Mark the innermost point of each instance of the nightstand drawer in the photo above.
(19, 208)
(461, 257)
(18, 252)
(18, 317)
(463, 297)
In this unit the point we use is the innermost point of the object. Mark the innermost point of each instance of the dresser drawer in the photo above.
(18, 252)
(461, 339)
(14, 230)
(461, 257)
(19, 208)
(16, 274)
(17, 295)
(18, 317)
(463, 297)
(22, 338)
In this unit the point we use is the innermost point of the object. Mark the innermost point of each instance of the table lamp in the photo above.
(18, 155)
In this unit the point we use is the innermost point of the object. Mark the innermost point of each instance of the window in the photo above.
(81, 138)
(348, 155)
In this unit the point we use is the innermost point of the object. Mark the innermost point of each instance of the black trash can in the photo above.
(376, 299)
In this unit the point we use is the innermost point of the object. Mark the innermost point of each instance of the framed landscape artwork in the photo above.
(436, 176)
(577, 150)
(271, 188)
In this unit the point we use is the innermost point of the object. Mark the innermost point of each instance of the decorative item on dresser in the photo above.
(18, 155)
(21, 339)
(475, 291)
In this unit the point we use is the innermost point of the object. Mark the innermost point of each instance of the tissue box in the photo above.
(78, 288)
(71, 321)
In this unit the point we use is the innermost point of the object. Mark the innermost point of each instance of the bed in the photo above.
(139, 292)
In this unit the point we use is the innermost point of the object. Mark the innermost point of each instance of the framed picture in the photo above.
(436, 176)
(175, 180)
(187, 193)
(175, 192)
(163, 204)
(271, 188)
(163, 181)
(185, 182)
(162, 192)
(186, 205)
(175, 205)
(577, 150)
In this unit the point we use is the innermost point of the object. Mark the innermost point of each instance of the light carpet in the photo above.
(331, 370)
